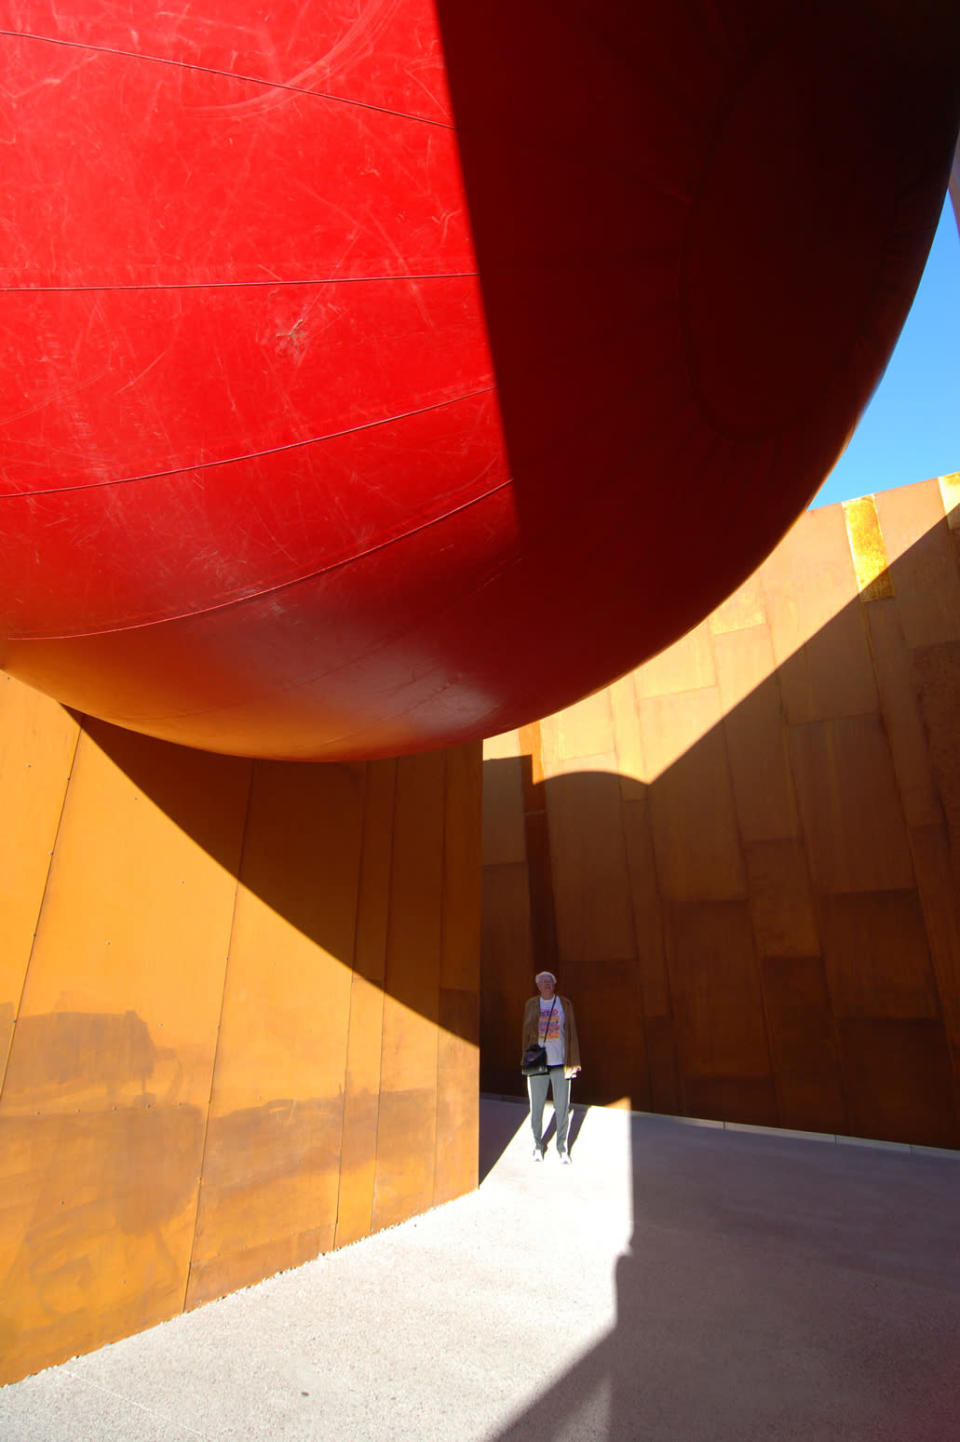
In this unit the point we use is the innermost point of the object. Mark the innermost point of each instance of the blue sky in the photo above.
(911, 429)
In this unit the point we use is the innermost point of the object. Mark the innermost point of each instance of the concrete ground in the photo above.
(678, 1283)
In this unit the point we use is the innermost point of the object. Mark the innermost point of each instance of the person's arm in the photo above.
(572, 1060)
(528, 1032)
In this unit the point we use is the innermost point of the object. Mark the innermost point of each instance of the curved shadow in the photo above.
(767, 930)
(628, 190)
(773, 1287)
(285, 1065)
(296, 816)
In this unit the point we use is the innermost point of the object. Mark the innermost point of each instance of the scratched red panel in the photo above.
(129, 172)
(386, 53)
(199, 376)
(641, 248)
(304, 533)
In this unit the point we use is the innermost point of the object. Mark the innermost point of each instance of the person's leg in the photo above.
(560, 1085)
(537, 1090)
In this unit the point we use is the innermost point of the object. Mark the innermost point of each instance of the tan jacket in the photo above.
(531, 1027)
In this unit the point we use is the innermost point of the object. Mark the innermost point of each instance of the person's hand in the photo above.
(571, 1072)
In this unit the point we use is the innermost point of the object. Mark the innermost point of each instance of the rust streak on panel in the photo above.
(869, 553)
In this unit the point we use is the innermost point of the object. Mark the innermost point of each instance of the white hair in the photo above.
(546, 973)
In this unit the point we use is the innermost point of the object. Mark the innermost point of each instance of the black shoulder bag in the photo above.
(534, 1061)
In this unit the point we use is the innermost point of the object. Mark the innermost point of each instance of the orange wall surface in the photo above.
(238, 1016)
(743, 860)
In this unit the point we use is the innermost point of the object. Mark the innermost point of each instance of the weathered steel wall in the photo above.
(743, 860)
(238, 1011)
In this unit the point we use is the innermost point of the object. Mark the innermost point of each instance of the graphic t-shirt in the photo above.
(551, 1034)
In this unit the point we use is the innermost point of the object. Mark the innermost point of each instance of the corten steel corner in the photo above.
(743, 859)
(239, 1014)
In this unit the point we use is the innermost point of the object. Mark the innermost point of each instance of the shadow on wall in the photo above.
(773, 1288)
(109, 1155)
(766, 931)
(655, 361)
(90, 1109)
(302, 849)
(246, 1010)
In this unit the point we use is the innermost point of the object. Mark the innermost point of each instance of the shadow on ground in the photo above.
(774, 1288)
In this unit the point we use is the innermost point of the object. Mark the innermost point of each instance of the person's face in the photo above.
(546, 987)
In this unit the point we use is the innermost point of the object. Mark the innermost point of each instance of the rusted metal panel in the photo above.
(38, 739)
(271, 1165)
(896, 1077)
(803, 1043)
(193, 1095)
(781, 898)
(589, 868)
(791, 763)
(721, 1032)
(104, 1105)
(852, 814)
(458, 1097)
(407, 1126)
(923, 563)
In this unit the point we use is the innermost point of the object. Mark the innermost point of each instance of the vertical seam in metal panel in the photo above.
(542, 902)
(216, 1049)
(477, 912)
(933, 969)
(815, 895)
(634, 928)
(384, 984)
(353, 978)
(638, 974)
(741, 841)
(440, 959)
(805, 851)
(40, 908)
(677, 1087)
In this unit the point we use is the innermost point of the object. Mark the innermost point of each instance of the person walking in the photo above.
(548, 1021)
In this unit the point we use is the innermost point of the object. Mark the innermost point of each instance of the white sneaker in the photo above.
(565, 1158)
(538, 1154)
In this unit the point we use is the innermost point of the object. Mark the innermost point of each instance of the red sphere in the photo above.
(379, 376)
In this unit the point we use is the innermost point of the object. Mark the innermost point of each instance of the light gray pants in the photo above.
(537, 1089)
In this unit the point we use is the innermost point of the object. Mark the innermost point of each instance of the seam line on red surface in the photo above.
(249, 456)
(226, 74)
(233, 284)
(279, 585)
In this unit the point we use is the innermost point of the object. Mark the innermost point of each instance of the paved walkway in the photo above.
(678, 1283)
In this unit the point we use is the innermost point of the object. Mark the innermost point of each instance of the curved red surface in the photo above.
(377, 377)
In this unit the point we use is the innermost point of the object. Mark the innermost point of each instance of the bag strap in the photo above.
(543, 1042)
